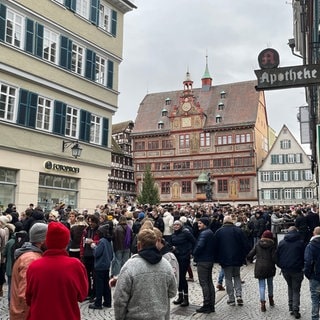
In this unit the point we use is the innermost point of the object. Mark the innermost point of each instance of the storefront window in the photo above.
(7, 187)
(54, 189)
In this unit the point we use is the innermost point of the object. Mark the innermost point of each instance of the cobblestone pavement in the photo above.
(250, 309)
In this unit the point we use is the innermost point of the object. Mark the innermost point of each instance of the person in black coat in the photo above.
(182, 242)
(203, 255)
(290, 259)
(264, 253)
(231, 248)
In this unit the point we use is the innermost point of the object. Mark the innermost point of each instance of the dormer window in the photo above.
(164, 113)
(218, 118)
(223, 94)
(168, 102)
(220, 106)
(160, 125)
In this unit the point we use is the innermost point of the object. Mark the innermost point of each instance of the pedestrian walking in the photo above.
(56, 282)
(24, 256)
(203, 255)
(312, 271)
(183, 242)
(103, 255)
(145, 284)
(231, 249)
(290, 259)
(264, 253)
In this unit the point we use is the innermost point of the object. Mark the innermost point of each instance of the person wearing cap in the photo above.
(203, 256)
(264, 252)
(231, 248)
(56, 282)
(145, 284)
(24, 256)
(183, 242)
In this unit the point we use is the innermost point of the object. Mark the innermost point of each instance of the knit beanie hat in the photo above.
(38, 232)
(58, 236)
(205, 220)
(267, 234)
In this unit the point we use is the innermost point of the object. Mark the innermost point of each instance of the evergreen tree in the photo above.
(149, 193)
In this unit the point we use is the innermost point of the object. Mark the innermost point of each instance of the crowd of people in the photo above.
(147, 251)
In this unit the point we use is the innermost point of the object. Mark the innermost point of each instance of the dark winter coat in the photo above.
(290, 252)
(265, 254)
(259, 226)
(203, 250)
(230, 245)
(183, 242)
(312, 259)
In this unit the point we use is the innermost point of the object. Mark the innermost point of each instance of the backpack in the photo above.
(21, 237)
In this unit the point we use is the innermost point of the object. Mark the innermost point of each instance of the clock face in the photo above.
(186, 106)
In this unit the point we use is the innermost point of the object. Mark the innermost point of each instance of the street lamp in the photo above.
(75, 149)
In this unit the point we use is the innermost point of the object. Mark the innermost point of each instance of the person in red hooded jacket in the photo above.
(56, 282)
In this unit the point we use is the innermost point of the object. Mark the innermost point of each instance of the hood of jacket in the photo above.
(292, 236)
(26, 247)
(266, 243)
(315, 241)
(150, 254)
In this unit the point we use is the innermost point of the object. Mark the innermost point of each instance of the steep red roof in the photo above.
(240, 106)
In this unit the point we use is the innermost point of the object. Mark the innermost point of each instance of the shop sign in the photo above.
(287, 77)
(49, 165)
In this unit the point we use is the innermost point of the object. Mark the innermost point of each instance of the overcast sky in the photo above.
(162, 39)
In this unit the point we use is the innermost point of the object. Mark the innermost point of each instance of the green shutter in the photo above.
(3, 16)
(32, 110)
(23, 107)
(114, 23)
(94, 14)
(85, 125)
(105, 132)
(28, 103)
(110, 74)
(59, 119)
(90, 64)
(39, 40)
(71, 5)
(29, 47)
(66, 53)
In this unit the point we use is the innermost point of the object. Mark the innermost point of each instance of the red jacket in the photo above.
(55, 285)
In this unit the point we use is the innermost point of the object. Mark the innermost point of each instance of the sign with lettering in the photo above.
(49, 165)
(288, 77)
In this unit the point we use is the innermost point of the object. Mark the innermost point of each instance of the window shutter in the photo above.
(3, 15)
(114, 23)
(28, 103)
(85, 125)
(66, 53)
(29, 36)
(110, 74)
(94, 16)
(39, 40)
(32, 114)
(105, 132)
(90, 64)
(59, 119)
(23, 107)
(71, 5)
